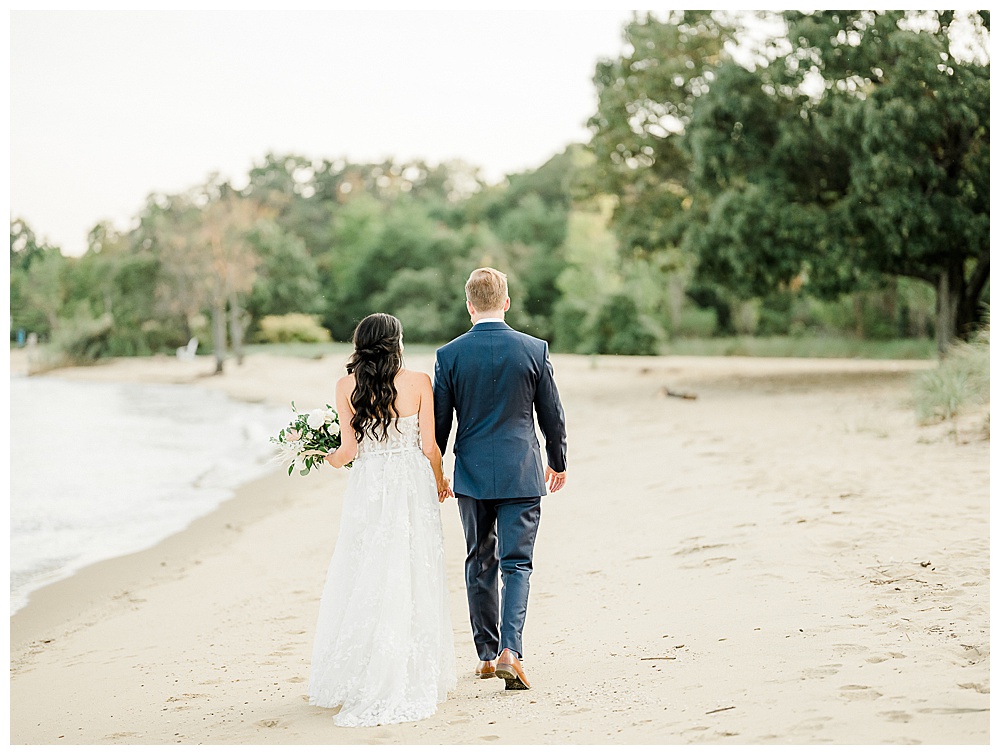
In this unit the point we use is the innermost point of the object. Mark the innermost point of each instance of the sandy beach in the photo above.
(788, 558)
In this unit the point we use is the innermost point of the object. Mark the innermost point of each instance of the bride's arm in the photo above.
(428, 442)
(348, 442)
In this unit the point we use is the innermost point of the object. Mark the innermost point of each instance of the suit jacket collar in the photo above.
(491, 326)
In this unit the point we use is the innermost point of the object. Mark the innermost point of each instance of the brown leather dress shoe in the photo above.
(509, 669)
(486, 669)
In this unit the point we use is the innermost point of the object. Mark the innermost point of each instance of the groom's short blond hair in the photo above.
(486, 289)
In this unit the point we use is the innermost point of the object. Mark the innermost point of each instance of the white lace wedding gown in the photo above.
(384, 650)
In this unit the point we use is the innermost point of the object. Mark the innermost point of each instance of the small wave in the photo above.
(133, 464)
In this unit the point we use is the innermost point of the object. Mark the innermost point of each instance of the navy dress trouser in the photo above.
(500, 540)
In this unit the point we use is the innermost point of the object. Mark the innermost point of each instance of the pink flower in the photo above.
(292, 435)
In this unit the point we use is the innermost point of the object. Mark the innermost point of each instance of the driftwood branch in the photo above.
(670, 393)
(719, 710)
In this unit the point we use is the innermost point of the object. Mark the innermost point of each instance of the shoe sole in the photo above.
(510, 677)
(490, 675)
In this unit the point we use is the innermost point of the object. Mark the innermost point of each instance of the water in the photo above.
(100, 470)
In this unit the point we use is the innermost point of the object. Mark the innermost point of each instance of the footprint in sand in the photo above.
(811, 724)
(574, 711)
(184, 698)
(821, 671)
(953, 711)
(698, 549)
(880, 657)
(896, 716)
(859, 692)
(847, 649)
(716, 561)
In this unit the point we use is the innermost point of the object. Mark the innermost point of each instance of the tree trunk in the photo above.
(236, 327)
(969, 313)
(219, 335)
(949, 296)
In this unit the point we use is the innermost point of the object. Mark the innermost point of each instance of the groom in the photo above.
(496, 380)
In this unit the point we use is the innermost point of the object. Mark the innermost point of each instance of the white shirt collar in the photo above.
(490, 319)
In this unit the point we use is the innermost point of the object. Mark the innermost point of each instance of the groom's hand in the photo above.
(555, 480)
(444, 490)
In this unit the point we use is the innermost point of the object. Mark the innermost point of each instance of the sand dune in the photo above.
(786, 559)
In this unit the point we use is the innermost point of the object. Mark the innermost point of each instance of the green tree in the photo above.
(646, 99)
(287, 277)
(207, 257)
(116, 282)
(861, 152)
(853, 147)
(37, 282)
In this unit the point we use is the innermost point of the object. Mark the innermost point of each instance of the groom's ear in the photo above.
(468, 306)
(506, 304)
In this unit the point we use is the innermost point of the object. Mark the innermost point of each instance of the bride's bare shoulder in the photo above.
(413, 377)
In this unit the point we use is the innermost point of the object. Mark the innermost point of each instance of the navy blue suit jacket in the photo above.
(496, 379)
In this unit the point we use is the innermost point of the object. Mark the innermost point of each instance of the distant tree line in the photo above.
(830, 179)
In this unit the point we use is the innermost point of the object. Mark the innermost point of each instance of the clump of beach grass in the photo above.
(959, 384)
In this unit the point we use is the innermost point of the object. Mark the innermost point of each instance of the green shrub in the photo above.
(696, 322)
(294, 327)
(776, 313)
(84, 338)
(620, 328)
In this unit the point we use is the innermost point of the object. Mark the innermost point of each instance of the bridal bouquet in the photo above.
(308, 438)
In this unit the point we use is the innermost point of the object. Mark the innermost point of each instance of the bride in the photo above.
(384, 650)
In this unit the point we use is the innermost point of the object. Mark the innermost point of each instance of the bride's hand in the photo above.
(444, 490)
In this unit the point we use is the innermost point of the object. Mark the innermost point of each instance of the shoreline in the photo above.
(747, 570)
(141, 474)
(111, 579)
(98, 584)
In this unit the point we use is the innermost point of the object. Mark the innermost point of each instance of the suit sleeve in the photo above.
(551, 418)
(444, 404)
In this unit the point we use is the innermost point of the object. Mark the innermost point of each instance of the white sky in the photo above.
(108, 107)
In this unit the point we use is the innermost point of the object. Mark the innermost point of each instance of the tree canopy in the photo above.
(828, 175)
(853, 146)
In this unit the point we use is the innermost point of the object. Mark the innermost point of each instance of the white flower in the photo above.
(320, 417)
(333, 428)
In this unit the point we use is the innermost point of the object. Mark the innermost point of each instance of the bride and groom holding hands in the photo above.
(384, 650)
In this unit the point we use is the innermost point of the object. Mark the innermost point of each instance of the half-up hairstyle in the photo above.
(376, 360)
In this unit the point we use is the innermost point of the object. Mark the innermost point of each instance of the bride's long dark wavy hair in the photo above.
(376, 359)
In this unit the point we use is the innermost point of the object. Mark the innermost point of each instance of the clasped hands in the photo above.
(444, 490)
